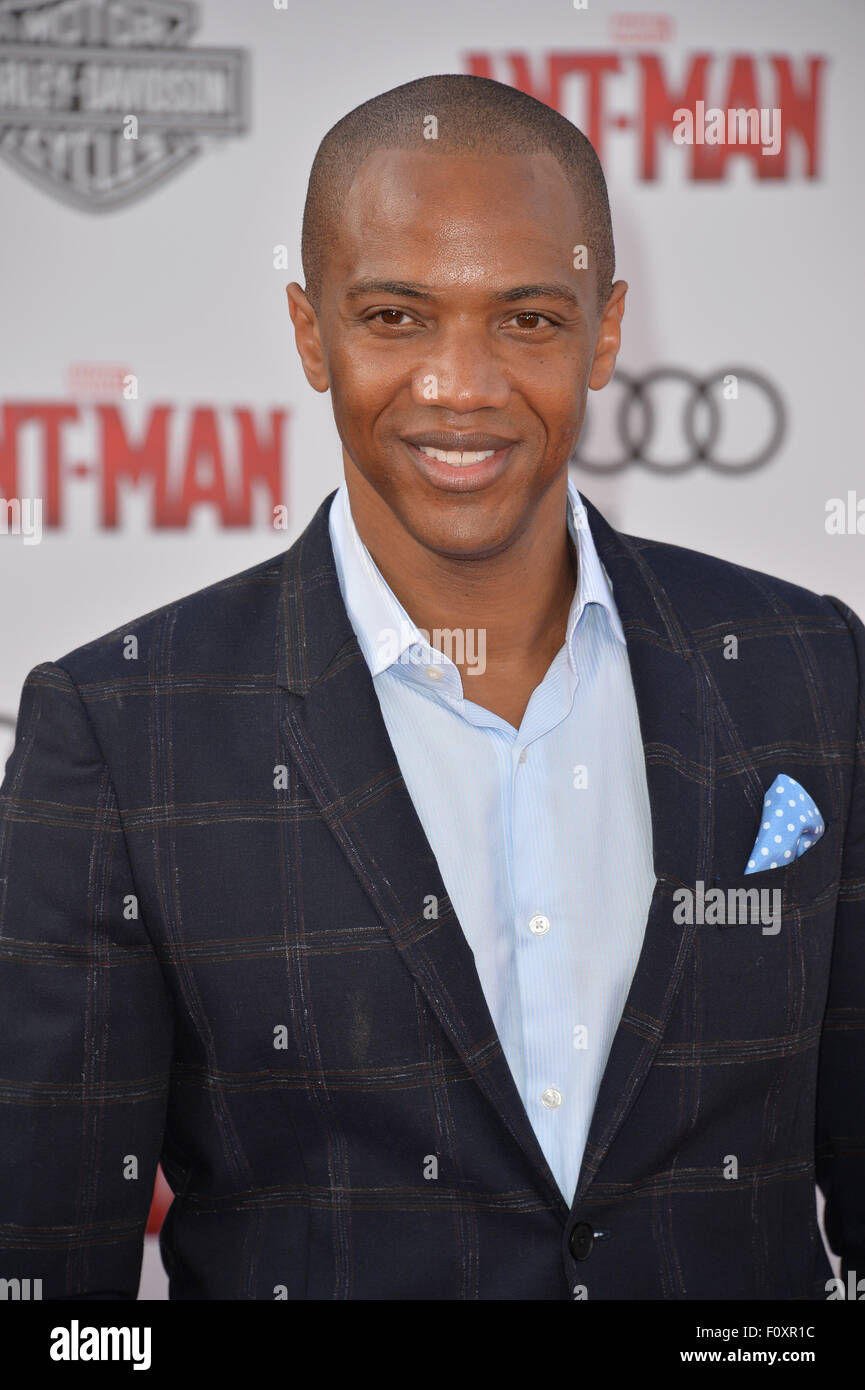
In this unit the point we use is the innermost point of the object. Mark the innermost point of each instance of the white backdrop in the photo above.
(178, 287)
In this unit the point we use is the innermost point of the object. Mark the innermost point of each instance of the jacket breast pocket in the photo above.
(792, 888)
(762, 949)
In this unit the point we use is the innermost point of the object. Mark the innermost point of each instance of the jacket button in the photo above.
(581, 1240)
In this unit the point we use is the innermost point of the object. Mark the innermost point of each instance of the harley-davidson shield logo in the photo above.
(100, 100)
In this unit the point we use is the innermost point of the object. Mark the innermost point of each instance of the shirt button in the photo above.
(433, 673)
(539, 924)
(551, 1098)
(523, 756)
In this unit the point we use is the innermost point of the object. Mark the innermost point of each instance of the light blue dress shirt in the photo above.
(542, 835)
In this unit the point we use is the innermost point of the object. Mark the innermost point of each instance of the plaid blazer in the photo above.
(217, 949)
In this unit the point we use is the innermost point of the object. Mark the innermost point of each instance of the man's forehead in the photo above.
(392, 178)
(460, 219)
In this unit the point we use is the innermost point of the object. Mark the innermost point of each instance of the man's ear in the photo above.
(609, 337)
(307, 337)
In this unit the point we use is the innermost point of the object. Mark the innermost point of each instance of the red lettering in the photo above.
(259, 459)
(595, 67)
(204, 455)
(120, 459)
(52, 418)
(659, 103)
(798, 112)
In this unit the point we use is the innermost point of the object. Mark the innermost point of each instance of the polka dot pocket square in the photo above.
(791, 824)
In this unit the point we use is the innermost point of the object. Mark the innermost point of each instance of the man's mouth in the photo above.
(454, 456)
(460, 461)
(460, 470)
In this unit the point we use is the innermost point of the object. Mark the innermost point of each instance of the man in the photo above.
(368, 889)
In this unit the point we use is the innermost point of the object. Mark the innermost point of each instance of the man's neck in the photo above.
(519, 598)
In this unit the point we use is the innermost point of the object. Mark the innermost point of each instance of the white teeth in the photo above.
(454, 456)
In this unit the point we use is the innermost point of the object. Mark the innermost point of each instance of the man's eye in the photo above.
(393, 320)
(537, 319)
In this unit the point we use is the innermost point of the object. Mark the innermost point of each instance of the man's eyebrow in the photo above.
(552, 291)
(410, 290)
(399, 287)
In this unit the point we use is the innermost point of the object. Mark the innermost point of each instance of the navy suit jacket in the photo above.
(217, 949)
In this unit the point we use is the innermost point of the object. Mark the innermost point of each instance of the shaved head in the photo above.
(472, 115)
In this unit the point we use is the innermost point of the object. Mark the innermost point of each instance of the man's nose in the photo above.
(463, 372)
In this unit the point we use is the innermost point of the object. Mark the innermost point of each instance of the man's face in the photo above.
(452, 318)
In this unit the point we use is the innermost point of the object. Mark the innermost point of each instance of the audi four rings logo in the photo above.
(669, 419)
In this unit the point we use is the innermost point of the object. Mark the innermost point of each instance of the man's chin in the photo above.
(468, 534)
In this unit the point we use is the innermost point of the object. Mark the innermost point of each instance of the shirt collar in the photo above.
(593, 583)
(384, 630)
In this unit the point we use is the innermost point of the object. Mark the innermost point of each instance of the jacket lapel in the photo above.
(673, 697)
(333, 727)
